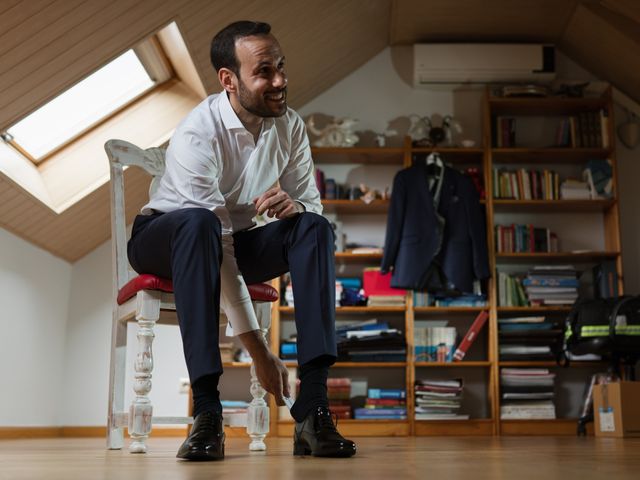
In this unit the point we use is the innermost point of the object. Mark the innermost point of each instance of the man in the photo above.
(239, 154)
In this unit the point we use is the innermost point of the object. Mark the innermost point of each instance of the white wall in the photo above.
(34, 294)
(88, 340)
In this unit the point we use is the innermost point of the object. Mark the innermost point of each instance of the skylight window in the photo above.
(81, 107)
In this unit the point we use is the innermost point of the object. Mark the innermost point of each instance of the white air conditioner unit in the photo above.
(455, 63)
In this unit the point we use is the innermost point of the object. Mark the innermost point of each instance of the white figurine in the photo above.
(337, 134)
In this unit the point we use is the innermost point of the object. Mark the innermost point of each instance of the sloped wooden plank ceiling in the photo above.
(47, 45)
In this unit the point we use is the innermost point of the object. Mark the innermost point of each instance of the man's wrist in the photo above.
(255, 343)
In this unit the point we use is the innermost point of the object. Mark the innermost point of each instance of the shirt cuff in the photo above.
(242, 319)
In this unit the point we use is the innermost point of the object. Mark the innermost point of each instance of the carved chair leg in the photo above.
(258, 411)
(141, 410)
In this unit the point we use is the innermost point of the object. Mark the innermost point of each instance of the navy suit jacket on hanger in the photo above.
(413, 240)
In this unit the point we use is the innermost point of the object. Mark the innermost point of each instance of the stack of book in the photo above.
(527, 393)
(397, 412)
(435, 344)
(552, 285)
(439, 400)
(528, 338)
(525, 239)
(339, 394)
(377, 287)
(510, 291)
(572, 189)
(526, 184)
(371, 341)
(234, 412)
(397, 405)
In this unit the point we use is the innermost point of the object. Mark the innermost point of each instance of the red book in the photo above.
(470, 336)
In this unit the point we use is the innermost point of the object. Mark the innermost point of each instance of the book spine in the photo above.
(470, 336)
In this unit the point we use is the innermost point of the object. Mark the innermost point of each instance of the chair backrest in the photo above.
(124, 154)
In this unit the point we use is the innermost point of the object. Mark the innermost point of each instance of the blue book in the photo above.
(386, 393)
(550, 282)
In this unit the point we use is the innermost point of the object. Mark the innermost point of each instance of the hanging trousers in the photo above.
(185, 246)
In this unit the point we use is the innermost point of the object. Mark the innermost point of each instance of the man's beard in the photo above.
(258, 105)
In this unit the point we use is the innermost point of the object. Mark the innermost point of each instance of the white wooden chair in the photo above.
(149, 300)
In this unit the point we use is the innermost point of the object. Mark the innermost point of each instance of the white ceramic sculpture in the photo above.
(339, 133)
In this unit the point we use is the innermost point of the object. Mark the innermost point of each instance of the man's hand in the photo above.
(278, 203)
(271, 372)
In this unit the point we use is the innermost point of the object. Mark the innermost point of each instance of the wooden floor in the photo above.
(400, 458)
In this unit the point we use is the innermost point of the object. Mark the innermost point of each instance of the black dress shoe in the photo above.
(317, 435)
(206, 440)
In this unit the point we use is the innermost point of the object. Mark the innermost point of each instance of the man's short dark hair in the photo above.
(223, 45)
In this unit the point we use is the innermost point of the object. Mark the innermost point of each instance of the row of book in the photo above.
(438, 343)
(584, 130)
(523, 184)
(527, 393)
(525, 238)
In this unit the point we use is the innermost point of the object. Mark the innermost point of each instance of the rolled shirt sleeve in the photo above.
(195, 171)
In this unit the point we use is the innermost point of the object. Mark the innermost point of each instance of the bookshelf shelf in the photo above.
(349, 257)
(547, 155)
(236, 364)
(362, 310)
(550, 364)
(463, 364)
(598, 205)
(367, 156)
(358, 364)
(355, 206)
(445, 310)
(545, 106)
(454, 155)
(542, 309)
(558, 256)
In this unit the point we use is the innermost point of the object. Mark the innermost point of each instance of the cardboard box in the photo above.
(616, 409)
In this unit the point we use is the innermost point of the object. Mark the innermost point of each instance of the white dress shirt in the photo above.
(213, 162)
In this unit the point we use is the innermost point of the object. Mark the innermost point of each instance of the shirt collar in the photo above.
(229, 117)
(231, 120)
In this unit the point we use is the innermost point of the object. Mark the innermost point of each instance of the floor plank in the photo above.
(453, 458)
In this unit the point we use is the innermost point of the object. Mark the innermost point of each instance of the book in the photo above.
(386, 393)
(470, 336)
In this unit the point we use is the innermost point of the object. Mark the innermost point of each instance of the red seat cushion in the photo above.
(260, 292)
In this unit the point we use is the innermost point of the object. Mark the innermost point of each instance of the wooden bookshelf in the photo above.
(573, 159)
(353, 207)
(363, 155)
(359, 310)
(350, 257)
(484, 369)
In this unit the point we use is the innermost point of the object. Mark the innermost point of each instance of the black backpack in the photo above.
(605, 326)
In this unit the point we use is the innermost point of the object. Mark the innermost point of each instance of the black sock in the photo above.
(206, 397)
(313, 387)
